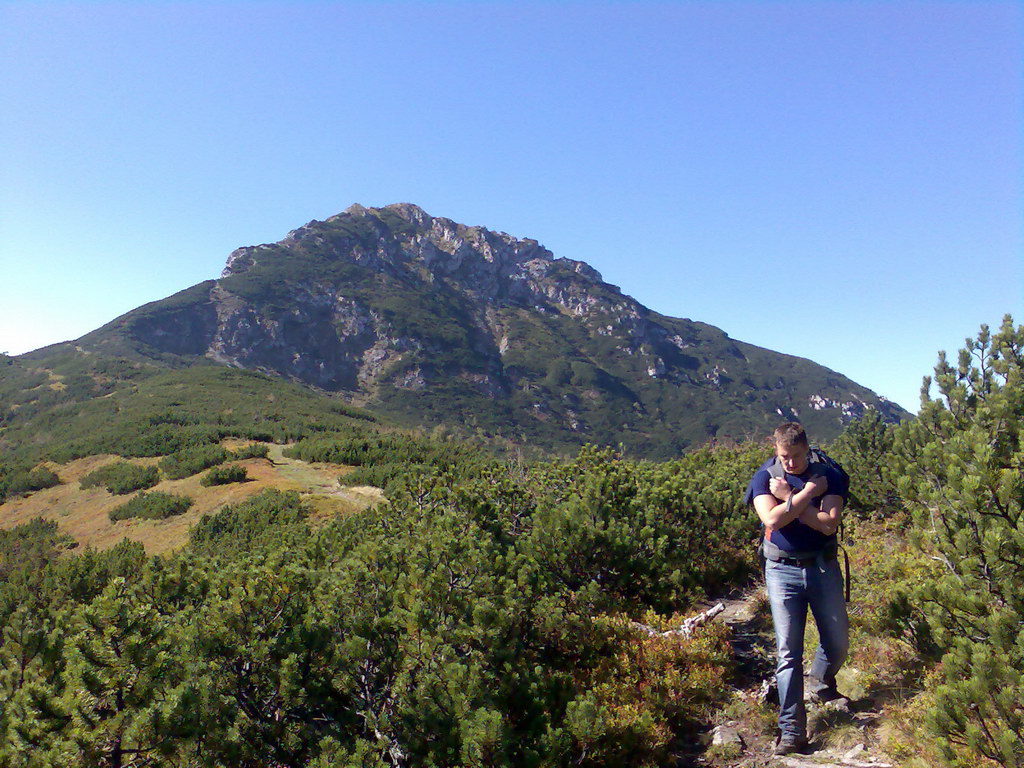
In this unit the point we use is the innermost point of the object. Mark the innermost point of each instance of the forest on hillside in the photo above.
(487, 613)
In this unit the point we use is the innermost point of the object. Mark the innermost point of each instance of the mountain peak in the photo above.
(430, 319)
(408, 211)
(396, 233)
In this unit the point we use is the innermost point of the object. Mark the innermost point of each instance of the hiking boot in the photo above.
(826, 696)
(789, 744)
(819, 692)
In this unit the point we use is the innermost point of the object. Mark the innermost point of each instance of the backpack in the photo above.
(814, 456)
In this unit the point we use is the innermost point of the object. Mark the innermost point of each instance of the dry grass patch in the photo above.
(235, 443)
(342, 501)
(55, 382)
(83, 514)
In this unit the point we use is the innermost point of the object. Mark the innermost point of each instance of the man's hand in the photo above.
(779, 488)
(817, 485)
(824, 520)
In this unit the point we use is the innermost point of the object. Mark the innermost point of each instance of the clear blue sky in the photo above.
(838, 180)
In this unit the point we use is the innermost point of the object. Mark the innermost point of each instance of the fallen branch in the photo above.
(688, 626)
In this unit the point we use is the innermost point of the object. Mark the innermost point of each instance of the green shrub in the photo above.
(232, 473)
(27, 481)
(959, 467)
(151, 506)
(382, 475)
(26, 548)
(191, 461)
(253, 451)
(360, 450)
(122, 477)
(865, 450)
(265, 520)
(386, 460)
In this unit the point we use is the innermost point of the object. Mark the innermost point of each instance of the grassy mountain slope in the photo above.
(64, 403)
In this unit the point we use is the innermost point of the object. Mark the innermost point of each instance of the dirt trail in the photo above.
(320, 484)
(842, 734)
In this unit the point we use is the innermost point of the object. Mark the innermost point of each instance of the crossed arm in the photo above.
(772, 507)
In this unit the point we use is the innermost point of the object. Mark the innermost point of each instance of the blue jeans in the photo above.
(791, 590)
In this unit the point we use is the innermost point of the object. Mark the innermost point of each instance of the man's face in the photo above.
(793, 457)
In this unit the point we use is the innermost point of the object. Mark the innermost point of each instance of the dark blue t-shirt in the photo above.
(797, 537)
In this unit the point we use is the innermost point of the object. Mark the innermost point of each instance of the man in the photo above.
(800, 508)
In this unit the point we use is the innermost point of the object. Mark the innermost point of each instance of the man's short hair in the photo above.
(789, 434)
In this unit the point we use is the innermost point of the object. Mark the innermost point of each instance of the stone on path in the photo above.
(853, 753)
(826, 760)
(724, 735)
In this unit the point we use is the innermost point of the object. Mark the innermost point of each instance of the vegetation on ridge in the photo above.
(147, 411)
(469, 621)
(484, 615)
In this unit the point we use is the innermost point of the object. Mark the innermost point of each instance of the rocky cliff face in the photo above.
(433, 321)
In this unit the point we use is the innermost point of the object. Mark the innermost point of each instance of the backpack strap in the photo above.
(849, 577)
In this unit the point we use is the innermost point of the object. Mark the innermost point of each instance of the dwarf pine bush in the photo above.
(232, 473)
(122, 477)
(153, 506)
(961, 473)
